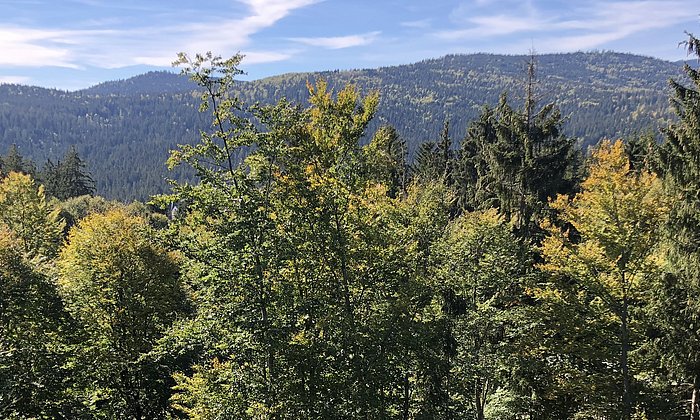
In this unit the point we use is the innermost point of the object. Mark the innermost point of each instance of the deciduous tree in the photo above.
(124, 291)
(609, 250)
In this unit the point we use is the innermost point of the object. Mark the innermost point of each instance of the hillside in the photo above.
(124, 129)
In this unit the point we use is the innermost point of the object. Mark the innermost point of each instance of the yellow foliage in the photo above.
(24, 210)
(617, 215)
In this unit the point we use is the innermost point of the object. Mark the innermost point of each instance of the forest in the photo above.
(125, 129)
(307, 274)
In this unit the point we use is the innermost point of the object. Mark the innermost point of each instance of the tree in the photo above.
(309, 270)
(35, 335)
(435, 160)
(516, 160)
(68, 178)
(386, 158)
(25, 211)
(124, 291)
(610, 251)
(679, 164)
(15, 162)
(479, 280)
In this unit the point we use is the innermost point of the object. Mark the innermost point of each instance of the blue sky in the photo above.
(72, 44)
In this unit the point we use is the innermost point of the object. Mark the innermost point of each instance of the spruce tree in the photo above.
(435, 160)
(68, 178)
(516, 161)
(678, 293)
(15, 162)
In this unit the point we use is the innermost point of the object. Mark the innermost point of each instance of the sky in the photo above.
(74, 44)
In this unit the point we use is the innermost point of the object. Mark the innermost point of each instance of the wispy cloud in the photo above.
(596, 23)
(608, 22)
(148, 45)
(258, 57)
(338, 42)
(488, 26)
(38, 47)
(420, 24)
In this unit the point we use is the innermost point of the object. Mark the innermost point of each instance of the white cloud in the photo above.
(420, 24)
(34, 47)
(338, 42)
(259, 57)
(596, 24)
(488, 26)
(608, 22)
(148, 45)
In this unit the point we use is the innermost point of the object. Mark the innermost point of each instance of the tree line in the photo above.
(309, 275)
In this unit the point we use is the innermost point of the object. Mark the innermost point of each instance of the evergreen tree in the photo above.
(15, 162)
(434, 160)
(516, 160)
(679, 163)
(68, 178)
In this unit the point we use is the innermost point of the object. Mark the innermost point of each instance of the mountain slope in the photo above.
(124, 129)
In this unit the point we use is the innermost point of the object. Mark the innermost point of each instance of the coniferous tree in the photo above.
(68, 178)
(434, 160)
(516, 161)
(15, 162)
(679, 163)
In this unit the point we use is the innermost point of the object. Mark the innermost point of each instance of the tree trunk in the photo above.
(478, 402)
(695, 401)
(626, 391)
(406, 397)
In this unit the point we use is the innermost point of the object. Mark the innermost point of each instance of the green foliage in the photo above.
(124, 291)
(515, 160)
(256, 263)
(68, 178)
(479, 280)
(675, 301)
(25, 211)
(34, 339)
(313, 272)
(15, 162)
(435, 160)
(608, 258)
(386, 156)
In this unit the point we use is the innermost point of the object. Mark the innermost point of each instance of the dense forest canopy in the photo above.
(316, 264)
(124, 129)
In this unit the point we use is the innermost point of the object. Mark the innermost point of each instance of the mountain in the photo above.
(124, 129)
(151, 83)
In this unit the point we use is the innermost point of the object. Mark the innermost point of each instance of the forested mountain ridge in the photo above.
(124, 129)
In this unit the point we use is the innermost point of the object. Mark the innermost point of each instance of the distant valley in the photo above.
(125, 129)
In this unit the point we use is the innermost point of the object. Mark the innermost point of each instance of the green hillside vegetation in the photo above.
(124, 129)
